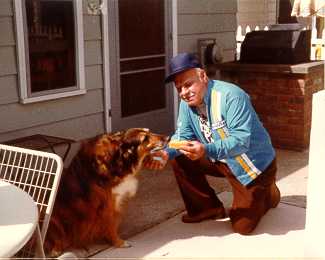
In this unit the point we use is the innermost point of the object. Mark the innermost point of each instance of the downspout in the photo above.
(277, 11)
(106, 65)
(174, 52)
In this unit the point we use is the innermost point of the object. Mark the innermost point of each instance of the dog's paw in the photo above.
(126, 244)
(68, 255)
(53, 254)
(123, 244)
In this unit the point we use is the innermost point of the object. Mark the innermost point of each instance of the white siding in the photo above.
(75, 117)
(83, 116)
(17, 116)
(77, 128)
(7, 34)
(6, 8)
(207, 19)
(8, 65)
(8, 90)
(254, 13)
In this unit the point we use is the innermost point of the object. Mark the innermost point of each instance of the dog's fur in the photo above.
(92, 191)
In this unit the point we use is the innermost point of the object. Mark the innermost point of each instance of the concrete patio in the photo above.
(280, 234)
(152, 222)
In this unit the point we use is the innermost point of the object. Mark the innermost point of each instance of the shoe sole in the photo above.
(278, 197)
(193, 220)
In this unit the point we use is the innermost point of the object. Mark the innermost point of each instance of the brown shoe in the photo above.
(275, 195)
(213, 213)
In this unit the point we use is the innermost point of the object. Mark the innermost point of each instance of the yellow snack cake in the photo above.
(176, 144)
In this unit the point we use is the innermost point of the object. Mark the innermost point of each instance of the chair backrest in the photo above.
(36, 172)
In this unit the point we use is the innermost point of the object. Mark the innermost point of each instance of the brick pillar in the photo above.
(281, 96)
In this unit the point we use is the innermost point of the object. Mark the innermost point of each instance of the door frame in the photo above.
(108, 57)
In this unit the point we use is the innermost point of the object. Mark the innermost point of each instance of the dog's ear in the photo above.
(107, 145)
(118, 136)
(135, 136)
(104, 151)
(142, 136)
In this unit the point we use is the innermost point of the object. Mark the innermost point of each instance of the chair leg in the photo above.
(39, 250)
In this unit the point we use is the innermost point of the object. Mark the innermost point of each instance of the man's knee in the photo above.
(243, 222)
(243, 226)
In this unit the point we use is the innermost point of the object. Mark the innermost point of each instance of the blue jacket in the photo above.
(239, 136)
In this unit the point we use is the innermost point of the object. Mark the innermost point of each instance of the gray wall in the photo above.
(207, 19)
(254, 13)
(82, 116)
(72, 117)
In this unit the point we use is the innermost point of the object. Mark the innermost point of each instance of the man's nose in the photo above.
(184, 91)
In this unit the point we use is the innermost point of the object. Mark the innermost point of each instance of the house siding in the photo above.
(207, 19)
(6, 8)
(254, 13)
(75, 117)
(82, 116)
(261, 13)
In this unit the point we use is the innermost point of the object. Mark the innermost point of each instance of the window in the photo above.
(50, 49)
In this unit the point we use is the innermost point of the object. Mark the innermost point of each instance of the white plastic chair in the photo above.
(37, 173)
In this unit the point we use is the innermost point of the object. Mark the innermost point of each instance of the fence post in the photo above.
(323, 45)
(313, 44)
(248, 29)
(239, 40)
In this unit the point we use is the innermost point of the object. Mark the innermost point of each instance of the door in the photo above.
(139, 49)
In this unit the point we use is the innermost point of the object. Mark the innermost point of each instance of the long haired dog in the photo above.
(92, 191)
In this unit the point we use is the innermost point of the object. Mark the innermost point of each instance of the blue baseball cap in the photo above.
(180, 63)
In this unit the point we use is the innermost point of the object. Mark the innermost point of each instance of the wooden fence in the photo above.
(317, 51)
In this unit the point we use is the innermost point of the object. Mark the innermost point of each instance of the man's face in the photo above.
(191, 86)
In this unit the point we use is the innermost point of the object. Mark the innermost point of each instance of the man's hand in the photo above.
(193, 150)
(156, 160)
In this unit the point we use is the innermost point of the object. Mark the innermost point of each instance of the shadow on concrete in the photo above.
(279, 220)
(289, 162)
(282, 220)
(295, 200)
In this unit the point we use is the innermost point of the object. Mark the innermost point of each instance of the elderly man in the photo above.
(223, 137)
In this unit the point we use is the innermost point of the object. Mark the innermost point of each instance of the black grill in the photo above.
(276, 47)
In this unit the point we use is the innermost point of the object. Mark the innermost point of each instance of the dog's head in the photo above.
(142, 141)
(119, 154)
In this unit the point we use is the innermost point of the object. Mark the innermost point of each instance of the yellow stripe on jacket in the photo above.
(216, 116)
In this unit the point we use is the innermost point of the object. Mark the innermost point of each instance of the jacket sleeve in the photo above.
(184, 130)
(238, 130)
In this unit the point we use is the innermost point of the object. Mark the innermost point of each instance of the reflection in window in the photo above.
(51, 45)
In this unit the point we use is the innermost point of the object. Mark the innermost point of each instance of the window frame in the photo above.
(23, 58)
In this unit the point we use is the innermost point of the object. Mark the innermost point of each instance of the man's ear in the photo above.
(203, 76)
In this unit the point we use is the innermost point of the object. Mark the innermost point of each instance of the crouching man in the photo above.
(221, 136)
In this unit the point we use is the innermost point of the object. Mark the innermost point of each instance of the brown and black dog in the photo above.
(92, 191)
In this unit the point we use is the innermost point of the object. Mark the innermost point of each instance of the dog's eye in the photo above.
(144, 138)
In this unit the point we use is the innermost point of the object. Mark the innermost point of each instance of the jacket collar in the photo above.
(208, 93)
